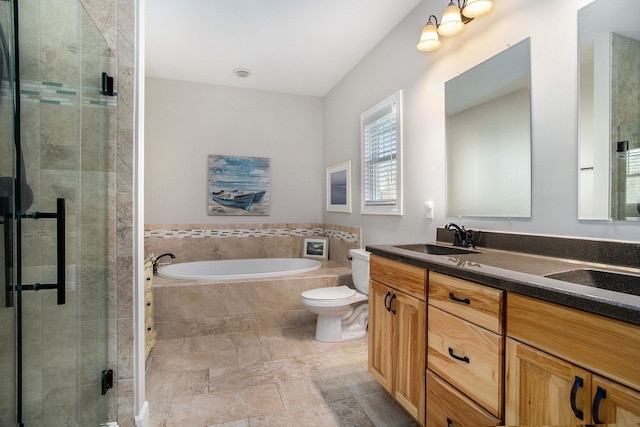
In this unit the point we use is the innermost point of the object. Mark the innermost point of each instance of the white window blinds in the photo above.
(380, 159)
(381, 155)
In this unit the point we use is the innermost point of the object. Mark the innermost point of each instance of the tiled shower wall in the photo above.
(198, 242)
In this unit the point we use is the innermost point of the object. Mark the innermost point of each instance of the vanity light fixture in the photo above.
(454, 18)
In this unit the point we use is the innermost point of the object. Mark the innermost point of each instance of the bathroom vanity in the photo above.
(482, 337)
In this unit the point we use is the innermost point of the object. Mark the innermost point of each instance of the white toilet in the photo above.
(342, 312)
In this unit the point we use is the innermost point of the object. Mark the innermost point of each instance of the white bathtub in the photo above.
(235, 269)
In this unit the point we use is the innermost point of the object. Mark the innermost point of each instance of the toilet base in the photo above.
(338, 329)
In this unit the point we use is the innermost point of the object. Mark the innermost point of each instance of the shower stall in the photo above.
(57, 216)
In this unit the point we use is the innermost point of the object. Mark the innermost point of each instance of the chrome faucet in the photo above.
(156, 259)
(461, 237)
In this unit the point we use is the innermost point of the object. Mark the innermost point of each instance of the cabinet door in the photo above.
(614, 403)
(380, 335)
(410, 348)
(544, 390)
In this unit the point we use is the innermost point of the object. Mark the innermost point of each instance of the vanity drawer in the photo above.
(476, 303)
(469, 357)
(403, 277)
(447, 407)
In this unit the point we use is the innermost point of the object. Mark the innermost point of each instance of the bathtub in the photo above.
(237, 269)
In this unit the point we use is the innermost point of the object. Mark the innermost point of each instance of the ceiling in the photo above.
(301, 47)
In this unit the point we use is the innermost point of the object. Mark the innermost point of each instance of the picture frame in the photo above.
(315, 247)
(339, 187)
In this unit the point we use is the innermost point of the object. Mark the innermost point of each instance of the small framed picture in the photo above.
(339, 187)
(316, 247)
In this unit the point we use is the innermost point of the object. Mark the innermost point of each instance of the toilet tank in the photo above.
(360, 269)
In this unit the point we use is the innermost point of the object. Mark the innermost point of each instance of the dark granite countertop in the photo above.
(524, 273)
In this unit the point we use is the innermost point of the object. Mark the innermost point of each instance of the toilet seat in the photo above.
(332, 293)
(333, 296)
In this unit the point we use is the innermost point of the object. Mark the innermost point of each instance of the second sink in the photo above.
(432, 249)
(612, 281)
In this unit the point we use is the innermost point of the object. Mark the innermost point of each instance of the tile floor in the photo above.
(275, 377)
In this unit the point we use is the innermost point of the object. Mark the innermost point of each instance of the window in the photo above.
(381, 130)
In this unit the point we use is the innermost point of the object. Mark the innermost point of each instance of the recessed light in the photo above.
(242, 72)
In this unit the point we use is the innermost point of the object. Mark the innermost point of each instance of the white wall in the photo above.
(185, 122)
(396, 64)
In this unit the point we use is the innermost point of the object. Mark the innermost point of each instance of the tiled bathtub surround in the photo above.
(184, 308)
(198, 242)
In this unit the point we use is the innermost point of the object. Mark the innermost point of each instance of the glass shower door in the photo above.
(8, 385)
(54, 351)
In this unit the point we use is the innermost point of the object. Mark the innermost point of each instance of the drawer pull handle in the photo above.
(464, 359)
(387, 306)
(578, 383)
(449, 422)
(453, 297)
(600, 394)
(391, 303)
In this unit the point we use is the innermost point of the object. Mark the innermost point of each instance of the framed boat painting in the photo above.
(339, 187)
(238, 185)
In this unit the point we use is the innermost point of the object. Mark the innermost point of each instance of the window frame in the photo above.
(392, 104)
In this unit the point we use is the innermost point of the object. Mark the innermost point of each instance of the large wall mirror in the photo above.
(609, 110)
(488, 130)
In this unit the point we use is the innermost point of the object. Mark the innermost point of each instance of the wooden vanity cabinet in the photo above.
(465, 348)
(397, 331)
(568, 367)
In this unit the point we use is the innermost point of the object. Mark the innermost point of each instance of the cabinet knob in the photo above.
(149, 328)
(148, 304)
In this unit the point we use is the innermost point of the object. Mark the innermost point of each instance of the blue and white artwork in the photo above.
(339, 187)
(239, 185)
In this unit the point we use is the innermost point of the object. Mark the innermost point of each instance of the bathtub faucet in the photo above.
(155, 261)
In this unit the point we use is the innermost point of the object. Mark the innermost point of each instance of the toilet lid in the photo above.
(330, 293)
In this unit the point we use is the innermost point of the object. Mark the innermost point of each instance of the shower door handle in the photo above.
(59, 215)
(7, 221)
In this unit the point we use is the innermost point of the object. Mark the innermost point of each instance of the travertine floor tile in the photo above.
(206, 343)
(212, 408)
(342, 384)
(344, 413)
(197, 361)
(299, 393)
(383, 411)
(257, 373)
(332, 361)
(271, 377)
(252, 353)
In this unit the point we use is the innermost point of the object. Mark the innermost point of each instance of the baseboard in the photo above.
(142, 419)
